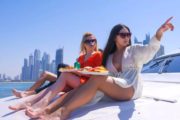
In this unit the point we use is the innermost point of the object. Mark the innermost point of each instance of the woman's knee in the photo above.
(45, 74)
(95, 79)
(80, 86)
(65, 74)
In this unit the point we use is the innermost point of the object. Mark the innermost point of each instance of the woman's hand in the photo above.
(166, 26)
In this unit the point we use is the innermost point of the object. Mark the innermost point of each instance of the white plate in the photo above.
(68, 70)
(94, 73)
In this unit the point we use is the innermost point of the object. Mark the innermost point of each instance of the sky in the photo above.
(26, 25)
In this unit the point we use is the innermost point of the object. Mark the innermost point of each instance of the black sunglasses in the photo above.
(123, 35)
(93, 41)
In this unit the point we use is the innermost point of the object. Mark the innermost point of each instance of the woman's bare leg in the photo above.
(87, 92)
(53, 106)
(64, 79)
(45, 76)
(34, 99)
(22, 94)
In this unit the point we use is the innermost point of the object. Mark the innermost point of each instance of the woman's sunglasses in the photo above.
(88, 42)
(123, 35)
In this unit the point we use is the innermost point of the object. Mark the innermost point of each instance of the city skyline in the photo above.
(52, 66)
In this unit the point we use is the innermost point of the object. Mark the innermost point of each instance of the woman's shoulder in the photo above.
(98, 54)
(81, 57)
(136, 47)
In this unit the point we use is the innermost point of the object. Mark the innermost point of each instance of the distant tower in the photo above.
(37, 56)
(25, 70)
(136, 41)
(53, 66)
(30, 71)
(59, 56)
(147, 40)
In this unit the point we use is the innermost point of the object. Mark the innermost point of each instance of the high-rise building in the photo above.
(4, 77)
(37, 56)
(160, 51)
(38, 67)
(59, 56)
(44, 62)
(20, 76)
(40, 72)
(48, 67)
(22, 73)
(25, 70)
(30, 59)
(0, 76)
(30, 66)
(9, 78)
(147, 40)
(16, 77)
(40, 64)
(47, 61)
(31, 72)
(53, 66)
(136, 41)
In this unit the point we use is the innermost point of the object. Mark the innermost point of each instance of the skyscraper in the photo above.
(48, 67)
(25, 69)
(59, 56)
(53, 66)
(47, 61)
(136, 41)
(30, 71)
(37, 55)
(21, 76)
(4, 77)
(40, 72)
(146, 41)
(44, 62)
(30, 59)
(0, 76)
(22, 73)
(160, 51)
(38, 67)
(16, 77)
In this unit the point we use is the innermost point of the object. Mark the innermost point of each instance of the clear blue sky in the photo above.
(26, 25)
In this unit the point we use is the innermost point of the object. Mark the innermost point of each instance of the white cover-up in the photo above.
(133, 59)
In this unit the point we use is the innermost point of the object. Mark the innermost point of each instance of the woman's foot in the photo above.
(20, 94)
(60, 114)
(22, 105)
(36, 113)
(36, 107)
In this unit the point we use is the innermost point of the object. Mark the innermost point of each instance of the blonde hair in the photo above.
(83, 49)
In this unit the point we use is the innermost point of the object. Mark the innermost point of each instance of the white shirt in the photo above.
(133, 59)
(132, 62)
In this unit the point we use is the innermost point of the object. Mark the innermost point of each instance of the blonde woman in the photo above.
(91, 57)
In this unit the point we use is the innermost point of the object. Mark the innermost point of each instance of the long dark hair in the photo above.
(111, 45)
